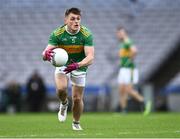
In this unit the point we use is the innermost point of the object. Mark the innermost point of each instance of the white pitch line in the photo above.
(148, 132)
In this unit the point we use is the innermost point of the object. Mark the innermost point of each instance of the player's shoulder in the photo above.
(85, 31)
(59, 30)
(128, 41)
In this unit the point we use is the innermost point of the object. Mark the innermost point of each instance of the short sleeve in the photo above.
(53, 39)
(89, 41)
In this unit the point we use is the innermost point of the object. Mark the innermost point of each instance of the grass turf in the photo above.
(96, 125)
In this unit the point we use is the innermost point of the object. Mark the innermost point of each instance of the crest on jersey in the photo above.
(73, 39)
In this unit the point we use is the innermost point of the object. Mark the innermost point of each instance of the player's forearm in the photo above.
(133, 52)
(49, 47)
(86, 61)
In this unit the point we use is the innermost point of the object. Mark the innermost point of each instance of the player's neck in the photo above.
(125, 39)
(71, 32)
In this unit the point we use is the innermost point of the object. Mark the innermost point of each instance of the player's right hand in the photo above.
(48, 54)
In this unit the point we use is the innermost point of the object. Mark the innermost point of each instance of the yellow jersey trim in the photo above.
(85, 32)
(124, 53)
(72, 49)
(59, 31)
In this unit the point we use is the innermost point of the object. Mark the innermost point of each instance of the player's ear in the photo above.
(65, 20)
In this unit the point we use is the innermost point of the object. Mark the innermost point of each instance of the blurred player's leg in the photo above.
(61, 86)
(146, 107)
(123, 98)
(77, 106)
(134, 93)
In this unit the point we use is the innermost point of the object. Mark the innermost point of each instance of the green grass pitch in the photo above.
(96, 125)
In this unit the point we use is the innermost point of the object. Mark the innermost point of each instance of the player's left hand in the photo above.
(71, 67)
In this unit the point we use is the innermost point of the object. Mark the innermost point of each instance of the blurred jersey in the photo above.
(73, 43)
(125, 53)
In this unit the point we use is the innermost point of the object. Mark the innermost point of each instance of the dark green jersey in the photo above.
(124, 53)
(73, 43)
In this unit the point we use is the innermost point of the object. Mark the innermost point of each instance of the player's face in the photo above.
(121, 34)
(73, 22)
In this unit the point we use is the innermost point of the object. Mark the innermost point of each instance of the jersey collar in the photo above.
(70, 32)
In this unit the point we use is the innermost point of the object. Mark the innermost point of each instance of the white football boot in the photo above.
(147, 108)
(62, 114)
(76, 126)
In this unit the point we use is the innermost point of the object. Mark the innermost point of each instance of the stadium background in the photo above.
(154, 26)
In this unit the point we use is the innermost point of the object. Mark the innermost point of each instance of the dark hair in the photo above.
(73, 10)
(121, 28)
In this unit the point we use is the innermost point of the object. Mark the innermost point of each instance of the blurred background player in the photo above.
(13, 97)
(128, 73)
(36, 92)
(78, 42)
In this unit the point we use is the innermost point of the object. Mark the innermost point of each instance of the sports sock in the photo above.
(124, 110)
(65, 102)
(76, 122)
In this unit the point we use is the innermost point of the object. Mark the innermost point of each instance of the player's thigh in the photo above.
(129, 88)
(78, 80)
(123, 93)
(122, 88)
(77, 92)
(61, 79)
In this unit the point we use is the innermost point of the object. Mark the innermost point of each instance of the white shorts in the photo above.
(127, 76)
(77, 78)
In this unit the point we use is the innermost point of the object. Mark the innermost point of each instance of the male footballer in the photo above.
(77, 40)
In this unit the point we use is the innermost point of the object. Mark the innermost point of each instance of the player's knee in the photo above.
(76, 99)
(61, 91)
(122, 90)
